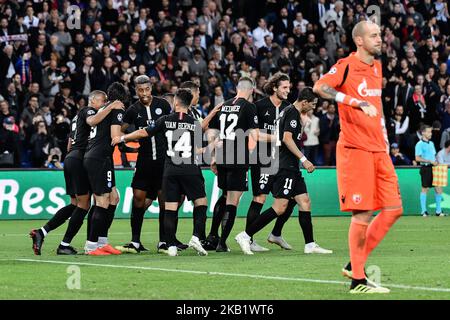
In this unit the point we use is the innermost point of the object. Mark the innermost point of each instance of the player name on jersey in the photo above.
(175, 125)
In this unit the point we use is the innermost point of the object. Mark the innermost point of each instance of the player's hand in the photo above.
(214, 166)
(368, 109)
(308, 166)
(434, 163)
(217, 108)
(116, 140)
(117, 105)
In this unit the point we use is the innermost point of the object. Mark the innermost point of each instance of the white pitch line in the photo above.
(242, 275)
(61, 234)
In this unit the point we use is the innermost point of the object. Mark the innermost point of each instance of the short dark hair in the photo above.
(184, 96)
(424, 127)
(306, 94)
(191, 85)
(117, 91)
(274, 81)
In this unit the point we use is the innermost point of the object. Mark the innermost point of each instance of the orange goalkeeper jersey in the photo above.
(363, 82)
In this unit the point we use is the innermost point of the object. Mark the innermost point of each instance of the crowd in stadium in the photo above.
(49, 64)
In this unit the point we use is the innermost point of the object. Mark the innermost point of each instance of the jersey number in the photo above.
(288, 184)
(93, 133)
(183, 145)
(74, 129)
(227, 124)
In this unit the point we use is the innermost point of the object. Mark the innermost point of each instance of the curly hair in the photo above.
(274, 81)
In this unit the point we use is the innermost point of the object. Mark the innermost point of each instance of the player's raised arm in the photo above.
(210, 116)
(101, 114)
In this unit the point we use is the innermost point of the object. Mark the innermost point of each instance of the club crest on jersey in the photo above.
(256, 119)
(286, 192)
(119, 117)
(294, 123)
(332, 70)
(365, 92)
(158, 111)
(357, 198)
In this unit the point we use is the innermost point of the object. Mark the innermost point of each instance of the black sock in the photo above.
(304, 218)
(356, 282)
(227, 222)
(200, 222)
(59, 218)
(109, 220)
(253, 213)
(169, 227)
(263, 220)
(136, 220)
(218, 212)
(75, 223)
(281, 220)
(89, 220)
(162, 229)
(99, 223)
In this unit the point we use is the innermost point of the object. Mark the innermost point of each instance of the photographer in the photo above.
(54, 159)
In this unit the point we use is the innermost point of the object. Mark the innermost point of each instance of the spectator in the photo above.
(335, 14)
(399, 159)
(329, 134)
(9, 141)
(197, 64)
(54, 159)
(443, 156)
(401, 127)
(41, 143)
(26, 120)
(419, 111)
(261, 32)
(312, 131)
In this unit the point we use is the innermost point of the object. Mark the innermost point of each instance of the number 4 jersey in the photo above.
(234, 121)
(184, 137)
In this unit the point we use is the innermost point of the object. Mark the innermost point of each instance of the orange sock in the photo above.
(379, 227)
(357, 241)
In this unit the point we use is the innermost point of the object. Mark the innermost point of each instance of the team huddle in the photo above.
(237, 137)
(172, 148)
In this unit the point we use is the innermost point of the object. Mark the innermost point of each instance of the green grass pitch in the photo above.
(414, 261)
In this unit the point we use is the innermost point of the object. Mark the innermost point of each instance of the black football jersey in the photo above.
(141, 117)
(234, 121)
(79, 132)
(290, 121)
(268, 114)
(183, 136)
(99, 142)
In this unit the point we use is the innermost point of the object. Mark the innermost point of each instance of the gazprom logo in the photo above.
(364, 92)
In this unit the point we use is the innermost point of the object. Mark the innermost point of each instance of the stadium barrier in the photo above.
(38, 194)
